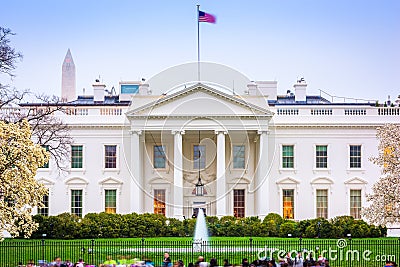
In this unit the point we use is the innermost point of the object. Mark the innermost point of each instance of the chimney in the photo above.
(98, 91)
(300, 92)
(268, 89)
(252, 88)
(144, 89)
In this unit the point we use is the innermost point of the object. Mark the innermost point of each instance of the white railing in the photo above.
(288, 111)
(321, 111)
(77, 111)
(111, 111)
(389, 111)
(355, 111)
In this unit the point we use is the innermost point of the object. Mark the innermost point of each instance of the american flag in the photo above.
(205, 17)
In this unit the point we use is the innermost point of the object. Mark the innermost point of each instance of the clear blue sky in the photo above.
(345, 47)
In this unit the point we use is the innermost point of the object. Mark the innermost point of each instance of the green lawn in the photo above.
(353, 252)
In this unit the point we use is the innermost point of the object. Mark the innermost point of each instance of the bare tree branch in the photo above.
(8, 55)
(47, 129)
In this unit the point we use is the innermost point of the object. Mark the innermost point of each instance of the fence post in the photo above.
(251, 246)
(142, 257)
(351, 263)
(43, 244)
(300, 246)
(92, 252)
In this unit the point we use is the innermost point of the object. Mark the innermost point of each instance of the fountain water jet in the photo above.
(201, 231)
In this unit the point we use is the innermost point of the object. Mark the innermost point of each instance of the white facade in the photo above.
(301, 160)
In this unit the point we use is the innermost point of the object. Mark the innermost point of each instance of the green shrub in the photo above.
(105, 225)
(288, 228)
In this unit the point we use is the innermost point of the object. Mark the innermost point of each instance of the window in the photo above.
(110, 201)
(159, 201)
(238, 157)
(159, 157)
(76, 202)
(199, 157)
(288, 203)
(76, 157)
(46, 165)
(287, 156)
(238, 203)
(322, 203)
(44, 211)
(355, 156)
(321, 153)
(355, 203)
(110, 157)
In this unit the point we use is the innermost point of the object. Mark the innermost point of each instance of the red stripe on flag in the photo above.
(205, 17)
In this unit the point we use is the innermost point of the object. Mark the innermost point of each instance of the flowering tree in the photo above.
(385, 197)
(19, 190)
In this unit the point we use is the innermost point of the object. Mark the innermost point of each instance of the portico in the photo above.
(199, 132)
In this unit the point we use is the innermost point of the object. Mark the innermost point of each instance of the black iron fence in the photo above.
(339, 252)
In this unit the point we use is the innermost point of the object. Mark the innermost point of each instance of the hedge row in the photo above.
(104, 225)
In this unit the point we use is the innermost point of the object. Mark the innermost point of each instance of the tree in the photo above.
(47, 130)
(19, 190)
(8, 55)
(385, 197)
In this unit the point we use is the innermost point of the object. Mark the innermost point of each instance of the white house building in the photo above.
(242, 152)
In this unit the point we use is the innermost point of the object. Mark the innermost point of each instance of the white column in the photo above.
(221, 179)
(136, 173)
(262, 185)
(178, 175)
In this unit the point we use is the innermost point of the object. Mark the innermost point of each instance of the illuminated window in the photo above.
(287, 156)
(321, 153)
(159, 201)
(110, 156)
(288, 203)
(159, 157)
(76, 202)
(76, 156)
(322, 203)
(110, 201)
(238, 203)
(355, 156)
(355, 204)
(199, 157)
(239, 157)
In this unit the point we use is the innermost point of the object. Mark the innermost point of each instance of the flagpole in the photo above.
(198, 44)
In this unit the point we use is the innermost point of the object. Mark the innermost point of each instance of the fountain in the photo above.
(200, 232)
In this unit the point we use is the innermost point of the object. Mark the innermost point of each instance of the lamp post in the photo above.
(43, 236)
(319, 229)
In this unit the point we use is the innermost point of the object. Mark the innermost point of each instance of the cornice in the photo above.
(197, 116)
(105, 127)
(325, 126)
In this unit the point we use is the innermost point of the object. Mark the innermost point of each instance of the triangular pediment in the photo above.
(240, 180)
(110, 181)
(356, 180)
(200, 100)
(288, 180)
